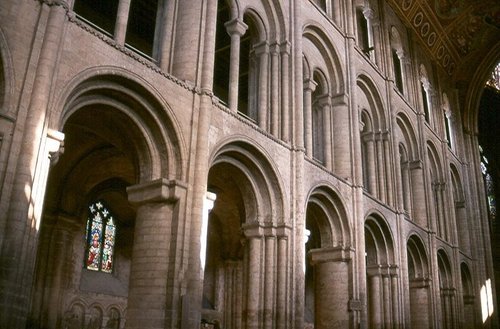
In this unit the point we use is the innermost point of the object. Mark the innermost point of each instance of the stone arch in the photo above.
(459, 205)
(381, 272)
(160, 154)
(410, 173)
(328, 251)
(333, 223)
(437, 192)
(470, 114)
(374, 102)
(375, 141)
(322, 53)
(446, 290)
(419, 283)
(118, 134)
(406, 133)
(467, 296)
(243, 228)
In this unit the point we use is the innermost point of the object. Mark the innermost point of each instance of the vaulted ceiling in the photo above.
(456, 33)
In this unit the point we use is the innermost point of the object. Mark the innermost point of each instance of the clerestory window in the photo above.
(100, 238)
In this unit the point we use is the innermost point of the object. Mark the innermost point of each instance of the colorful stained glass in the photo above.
(101, 232)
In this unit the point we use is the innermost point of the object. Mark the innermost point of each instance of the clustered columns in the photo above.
(331, 286)
(448, 296)
(265, 304)
(341, 148)
(383, 303)
(378, 168)
(235, 28)
(438, 190)
(150, 273)
(309, 88)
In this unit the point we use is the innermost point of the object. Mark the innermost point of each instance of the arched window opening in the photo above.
(365, 41)
(367, 156)
(398, 72)
(397, 58)
(318, 119)
(425, 100)
(100, 235)
(222, 53)
(489, 185)
(447, 119)
(249, 72)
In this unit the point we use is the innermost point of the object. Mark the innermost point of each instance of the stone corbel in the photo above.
(55, 145)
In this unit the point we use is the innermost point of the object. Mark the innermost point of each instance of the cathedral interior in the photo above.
(258, 164)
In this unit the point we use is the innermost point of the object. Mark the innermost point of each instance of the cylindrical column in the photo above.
(235, 28)
(262, 52)
(341, 136)
(405, 185)
(309, 87)
(327, 128)
(285, 102)
(281, 281)
(388, 172)
(269, 283)
(379, 149)
(418, 193)
(375, 302)
(386, 286)
(167, 31)
(148, 290)
(395, 301)
(331, 293)
(121, 21)
(370, 163)
(274, 50)
(254, 276)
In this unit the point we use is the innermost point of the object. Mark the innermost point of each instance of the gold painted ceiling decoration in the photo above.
(455, 32)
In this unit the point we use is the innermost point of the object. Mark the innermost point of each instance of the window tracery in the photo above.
(100, 237)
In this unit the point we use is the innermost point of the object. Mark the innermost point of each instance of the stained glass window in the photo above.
(100, 235)
(490, 191)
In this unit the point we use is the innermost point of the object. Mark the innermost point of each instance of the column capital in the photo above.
(331, 254)
(236, 26)
(285, 47)
(55, 145)
(253, 230)
(160, 190)
(340, 100)
(261, 48)
(310, 85)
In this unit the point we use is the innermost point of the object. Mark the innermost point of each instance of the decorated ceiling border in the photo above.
(429, 31)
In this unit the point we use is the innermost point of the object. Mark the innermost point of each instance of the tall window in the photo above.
(398, 73)
(364, 33)
(101, 233)
(490, 191)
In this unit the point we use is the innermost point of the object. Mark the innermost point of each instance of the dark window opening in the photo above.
(141, 25)
(426, 103)
(101, 13)
(222, 53)
(363, 40)
(397, 71)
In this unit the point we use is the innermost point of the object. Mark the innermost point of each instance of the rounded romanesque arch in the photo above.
(246, 237)
(419, 280)
(327, 265)
(118, 135)
(382, 295)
